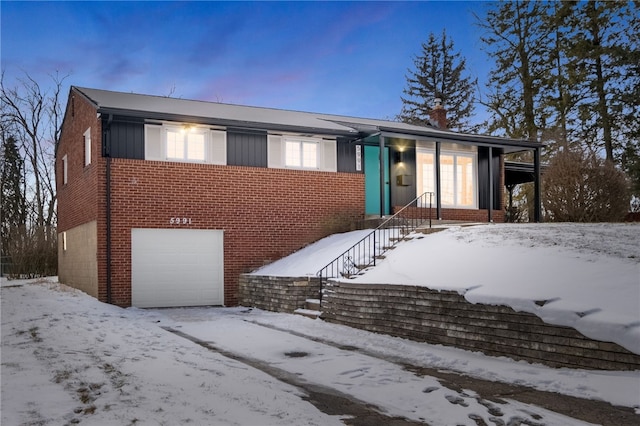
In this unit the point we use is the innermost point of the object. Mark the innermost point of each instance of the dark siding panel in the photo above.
(347, 156)
(483, 178)
(401, 195)
(127, 140)
(497, 188)
(247, 149)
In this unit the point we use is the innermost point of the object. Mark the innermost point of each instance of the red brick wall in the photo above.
(265, 213)
(469, 215)
(77, 200)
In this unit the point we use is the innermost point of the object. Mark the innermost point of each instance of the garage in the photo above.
(176, 267)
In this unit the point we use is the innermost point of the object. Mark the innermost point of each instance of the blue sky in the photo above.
(346, 58)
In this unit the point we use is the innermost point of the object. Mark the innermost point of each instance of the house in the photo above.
(165, 202)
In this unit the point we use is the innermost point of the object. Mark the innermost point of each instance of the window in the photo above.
(301, 154)
(457, 177)
(64, 170)
(87, 147)
(185, 144)
(170, 142)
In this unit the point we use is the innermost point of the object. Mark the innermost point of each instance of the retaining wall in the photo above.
(447, 318)
(277, 294)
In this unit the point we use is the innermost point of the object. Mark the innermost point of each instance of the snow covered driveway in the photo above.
(67, 358)
(381, 383)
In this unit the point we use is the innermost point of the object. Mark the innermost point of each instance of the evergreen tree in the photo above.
(439, 73)
(604, 54)
(518, 39)
(13, 206)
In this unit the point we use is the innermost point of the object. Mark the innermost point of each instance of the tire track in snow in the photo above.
(327, 400)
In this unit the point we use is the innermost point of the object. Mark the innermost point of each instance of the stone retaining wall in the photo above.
(447, 318)
(278, 294)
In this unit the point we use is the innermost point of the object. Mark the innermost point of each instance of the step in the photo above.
(312, 304)
(428, 231)
(309, 313)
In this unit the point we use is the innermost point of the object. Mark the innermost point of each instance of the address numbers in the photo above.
(180, 221)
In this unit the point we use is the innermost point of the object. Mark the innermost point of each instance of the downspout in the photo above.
(537, 197)
(107, 154)
(382, 177)
(438, 191)
(490, 206)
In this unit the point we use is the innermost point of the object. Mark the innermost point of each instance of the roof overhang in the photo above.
(516, 173)
(157, 108)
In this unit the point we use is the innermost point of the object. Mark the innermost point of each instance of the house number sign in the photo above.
(180, 221)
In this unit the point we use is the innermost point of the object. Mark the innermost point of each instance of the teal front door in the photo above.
(372, 180)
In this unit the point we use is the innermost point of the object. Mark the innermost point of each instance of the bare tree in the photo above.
(33, 115)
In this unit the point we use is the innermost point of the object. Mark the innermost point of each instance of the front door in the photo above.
(372, 180)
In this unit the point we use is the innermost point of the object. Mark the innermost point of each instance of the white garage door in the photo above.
(176, 267)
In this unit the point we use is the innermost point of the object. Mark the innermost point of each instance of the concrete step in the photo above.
(312, 304)
(311, 309)
(309, 313)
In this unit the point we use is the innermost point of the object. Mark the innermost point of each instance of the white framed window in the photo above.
(87, 147)
(65, 168)
(302, 154)
(185, 144)
(170, 142)
(458, 177)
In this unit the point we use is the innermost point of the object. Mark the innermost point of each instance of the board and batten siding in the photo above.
(246, 148)
(131, 138)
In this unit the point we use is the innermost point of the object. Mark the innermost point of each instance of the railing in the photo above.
(372, 247)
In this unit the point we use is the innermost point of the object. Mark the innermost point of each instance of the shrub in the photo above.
(584, 188)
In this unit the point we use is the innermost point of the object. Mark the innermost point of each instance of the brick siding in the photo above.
(78, 198)
(467, 215)
(266, 214)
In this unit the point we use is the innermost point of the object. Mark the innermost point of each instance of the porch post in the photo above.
(490, 180)
(537, 197)
(382, 177)
(438, 192)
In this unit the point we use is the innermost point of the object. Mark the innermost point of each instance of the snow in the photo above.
(585, 276)
(67, 358)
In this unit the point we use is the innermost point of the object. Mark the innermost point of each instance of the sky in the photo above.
(346, 58)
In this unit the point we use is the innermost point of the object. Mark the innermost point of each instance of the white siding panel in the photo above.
(176, 267)
(275, 151)
(217, 152)
(153, 142)
(329, 156)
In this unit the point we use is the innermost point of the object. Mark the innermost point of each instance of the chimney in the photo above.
(438, 114)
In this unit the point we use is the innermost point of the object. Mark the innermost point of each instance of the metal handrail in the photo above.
(383, 238)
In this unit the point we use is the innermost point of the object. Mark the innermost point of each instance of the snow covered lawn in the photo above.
(586, 275)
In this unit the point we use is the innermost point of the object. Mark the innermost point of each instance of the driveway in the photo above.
(68, 359)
